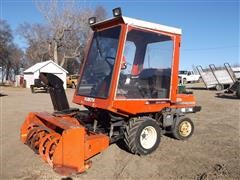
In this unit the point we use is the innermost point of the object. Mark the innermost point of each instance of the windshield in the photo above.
(97, 73)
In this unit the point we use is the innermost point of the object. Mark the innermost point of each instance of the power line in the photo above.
(210, 48)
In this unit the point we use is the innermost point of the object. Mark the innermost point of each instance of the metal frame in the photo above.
(213, 71)
(230, 71)
(201, 72)
(217, 72)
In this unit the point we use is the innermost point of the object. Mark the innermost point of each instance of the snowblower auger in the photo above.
(60, 138)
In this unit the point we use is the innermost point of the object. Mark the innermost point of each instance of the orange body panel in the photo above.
(139, 106)
(69, 154)
(94, 143)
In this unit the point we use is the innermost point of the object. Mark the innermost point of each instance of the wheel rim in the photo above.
(185, 128)
(148, 137)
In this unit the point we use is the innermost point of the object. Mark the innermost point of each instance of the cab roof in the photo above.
(139, 23)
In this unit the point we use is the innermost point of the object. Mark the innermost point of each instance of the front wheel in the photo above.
(182, 128)
(142, 136)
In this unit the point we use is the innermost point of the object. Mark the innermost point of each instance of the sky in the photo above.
(210, 27)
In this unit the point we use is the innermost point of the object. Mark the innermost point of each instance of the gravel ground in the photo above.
(212, 153)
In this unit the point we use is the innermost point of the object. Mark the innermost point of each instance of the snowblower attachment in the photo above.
(60, 138)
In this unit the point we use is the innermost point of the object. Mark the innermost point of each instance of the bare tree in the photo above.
(10, 54)
(65, 34)
(100, 13)
(37, 37)
(14, 61)
(69, 28)
(5, 40)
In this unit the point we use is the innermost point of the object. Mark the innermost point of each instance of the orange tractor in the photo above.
(129, 86)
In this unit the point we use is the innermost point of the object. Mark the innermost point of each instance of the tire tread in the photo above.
(131, 131)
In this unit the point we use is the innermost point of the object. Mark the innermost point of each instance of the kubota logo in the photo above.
(88, 99)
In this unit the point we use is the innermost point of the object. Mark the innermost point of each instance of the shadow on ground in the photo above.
(223, 96)
(1, 94)
(200, 88)
(121, 144)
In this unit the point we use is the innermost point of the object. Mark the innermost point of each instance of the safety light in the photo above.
(92, 20)
(117, 12)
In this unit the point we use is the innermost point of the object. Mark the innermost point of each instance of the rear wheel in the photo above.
(183, 128)
(142, 136)
(238, 92)
(32, 89)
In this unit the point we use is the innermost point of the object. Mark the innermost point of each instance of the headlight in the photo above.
(92, 20)
(117, 12)
(186, 110)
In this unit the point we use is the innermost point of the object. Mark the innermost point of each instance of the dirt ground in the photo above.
(212, 153)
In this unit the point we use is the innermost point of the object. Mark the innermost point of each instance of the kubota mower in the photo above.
(129, 86)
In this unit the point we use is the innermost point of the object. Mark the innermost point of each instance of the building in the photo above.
(33, 72)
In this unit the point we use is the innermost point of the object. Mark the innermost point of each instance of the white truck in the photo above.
(189, 76)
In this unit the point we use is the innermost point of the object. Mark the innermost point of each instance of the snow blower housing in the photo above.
(129, 85)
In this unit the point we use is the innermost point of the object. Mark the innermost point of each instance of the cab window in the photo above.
(147, 70)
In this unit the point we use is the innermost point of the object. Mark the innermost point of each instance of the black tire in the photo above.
(176, 128)
(32, 89)
(238, 92)
(134, 132)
